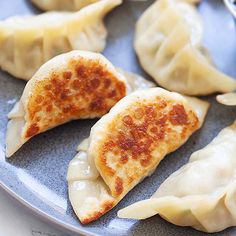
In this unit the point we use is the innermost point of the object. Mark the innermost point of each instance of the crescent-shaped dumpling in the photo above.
(26, 42)
(168, 42)
(228, 99)
(126, 145)
(75, 85)
(202, 193)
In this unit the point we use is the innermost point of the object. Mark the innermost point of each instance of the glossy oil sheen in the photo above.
(36, 174)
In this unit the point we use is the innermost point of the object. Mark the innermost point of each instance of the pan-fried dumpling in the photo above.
(168, 42)
(75, 85)
(26, 42)
(228, 99)
(202, 193)
(126, 145)
(62, 5)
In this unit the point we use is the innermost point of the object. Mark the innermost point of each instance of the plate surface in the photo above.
(36, 175)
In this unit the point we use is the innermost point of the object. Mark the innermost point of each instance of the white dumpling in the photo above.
(75, 85)
(26, 42)
(62, 5)
(126, 145)
(168, 42)
(228, 99)
(193, 1)
(202, 193)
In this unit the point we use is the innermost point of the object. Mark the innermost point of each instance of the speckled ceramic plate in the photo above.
(36, 174)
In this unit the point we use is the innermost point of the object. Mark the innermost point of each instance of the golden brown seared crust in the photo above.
(105, 207)
(139, 138)
(87, 89)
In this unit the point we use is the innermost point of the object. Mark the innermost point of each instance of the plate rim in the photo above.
(46, 218)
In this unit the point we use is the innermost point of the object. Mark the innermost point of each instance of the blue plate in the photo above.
(36, 174)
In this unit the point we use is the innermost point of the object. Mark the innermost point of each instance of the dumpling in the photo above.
(228, 99)
(126, 145)
(168, 42)
(26, 42)
(75, 85)
(202, 193)
(192, 1)
(62, 5)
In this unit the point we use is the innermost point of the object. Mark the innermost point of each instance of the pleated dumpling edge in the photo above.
(168, 42)
(27, 42)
